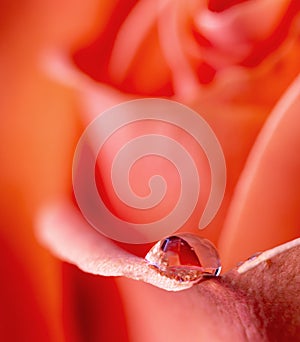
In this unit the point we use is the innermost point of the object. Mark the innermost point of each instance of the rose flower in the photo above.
(235, 63)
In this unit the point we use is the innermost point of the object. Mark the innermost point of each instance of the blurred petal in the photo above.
(233, 32)
(265, 208)
(92, 97)
(20, 303)
(92, 307)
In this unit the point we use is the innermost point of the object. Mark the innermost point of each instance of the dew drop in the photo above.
(184, 257)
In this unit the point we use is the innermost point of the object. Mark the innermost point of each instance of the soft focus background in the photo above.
(62, 62)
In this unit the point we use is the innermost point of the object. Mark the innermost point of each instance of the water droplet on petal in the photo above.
(184, 257)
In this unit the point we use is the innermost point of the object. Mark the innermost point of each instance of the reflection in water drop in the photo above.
(184, 257)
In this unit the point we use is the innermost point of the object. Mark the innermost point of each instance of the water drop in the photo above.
(184, 257)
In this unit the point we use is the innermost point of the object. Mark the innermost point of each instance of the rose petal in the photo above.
(265, 209)
(63, 230)
(267, 255)
(272, 290)
(256, 305)
(259, 305)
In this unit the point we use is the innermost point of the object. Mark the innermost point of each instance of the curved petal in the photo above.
(259, 305)
(62, 229)
(234, 306)
(265, 208)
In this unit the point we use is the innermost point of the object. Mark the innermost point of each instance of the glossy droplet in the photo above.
(184, 257)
